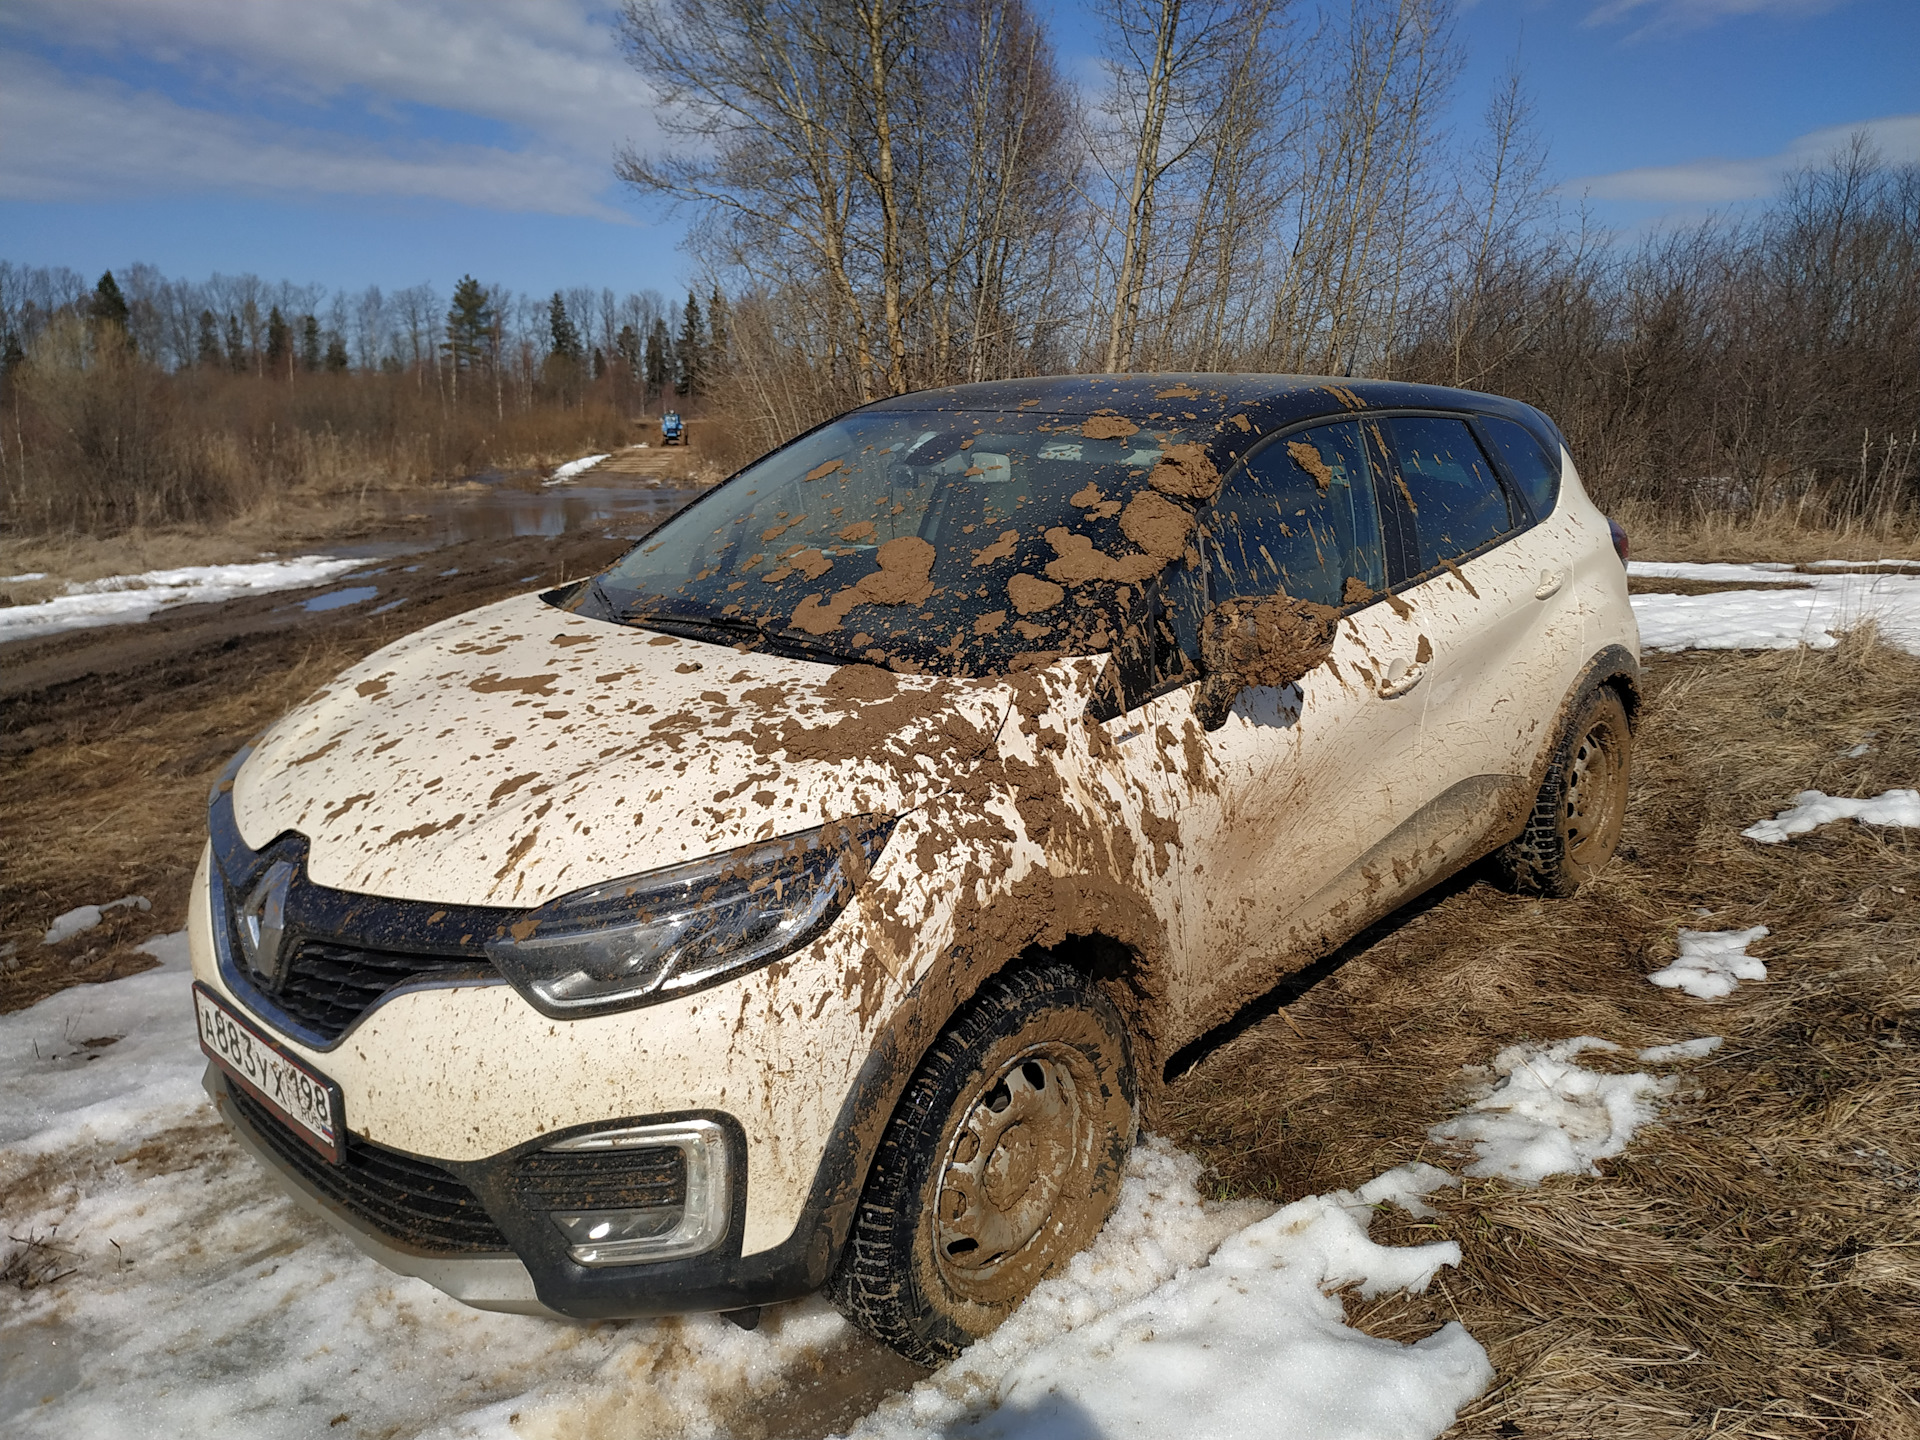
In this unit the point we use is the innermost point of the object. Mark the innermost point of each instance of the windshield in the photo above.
(961, 543)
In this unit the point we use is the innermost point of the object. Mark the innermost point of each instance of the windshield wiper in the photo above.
(795, 645)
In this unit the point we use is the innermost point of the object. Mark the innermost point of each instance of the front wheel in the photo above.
(1001, 1162)
(1582, 805)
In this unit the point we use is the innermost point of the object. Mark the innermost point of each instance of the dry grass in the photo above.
(1752, 1265)
(1797, 534)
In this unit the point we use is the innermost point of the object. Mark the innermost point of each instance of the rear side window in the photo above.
(1537, 475)
(1299, 518)
(1446, 480)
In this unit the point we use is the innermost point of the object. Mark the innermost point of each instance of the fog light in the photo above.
(681, 1167)
(589, 1229)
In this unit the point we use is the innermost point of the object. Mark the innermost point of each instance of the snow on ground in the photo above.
(1811, 613)
(1536, 1113)
(202, 1302)
(120, 598)
(84, 917)
(1250, 1344)
(1684, 1050)
(1813, 808)
(572, 468)
(1712, 963)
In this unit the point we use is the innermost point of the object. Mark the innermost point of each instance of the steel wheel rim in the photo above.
(1006, 1169)
(1595, 805)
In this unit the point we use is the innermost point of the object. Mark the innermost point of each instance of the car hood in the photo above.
(517, 753)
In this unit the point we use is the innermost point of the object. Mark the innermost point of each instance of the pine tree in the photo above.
(109, 306)
(309, 343)
(12, 357)
(566, 336)
(628, 346)
(599, 362)
(336, 354)
(469, 327)
(236, 346)
(210, 356)
(691, 349)
(279, 344)
(659, 360)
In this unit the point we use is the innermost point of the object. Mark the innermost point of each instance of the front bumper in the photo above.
(531, 1271)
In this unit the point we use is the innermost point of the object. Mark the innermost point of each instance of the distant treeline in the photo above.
(904, 196)
(135, 401)
(486, 334)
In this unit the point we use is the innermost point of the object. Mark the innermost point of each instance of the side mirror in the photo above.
(1247, 644)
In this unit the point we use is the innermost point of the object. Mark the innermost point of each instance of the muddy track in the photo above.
(109, 736)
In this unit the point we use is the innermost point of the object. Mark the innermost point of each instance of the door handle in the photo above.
(1550, 583)
(1400, 678)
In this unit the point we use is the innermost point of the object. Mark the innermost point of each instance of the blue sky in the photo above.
(348, 142)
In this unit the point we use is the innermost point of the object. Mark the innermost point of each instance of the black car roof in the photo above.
(1267, 402)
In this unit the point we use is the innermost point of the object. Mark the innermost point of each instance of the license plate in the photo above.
(308, 1101)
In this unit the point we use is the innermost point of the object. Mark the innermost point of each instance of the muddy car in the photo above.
(815, 897)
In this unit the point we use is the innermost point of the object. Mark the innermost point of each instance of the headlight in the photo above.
(655, 936)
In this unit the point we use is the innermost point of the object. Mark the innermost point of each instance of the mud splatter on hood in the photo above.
(517, 753)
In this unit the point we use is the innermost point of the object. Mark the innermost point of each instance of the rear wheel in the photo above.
(1582, 805)
(1001, 1162)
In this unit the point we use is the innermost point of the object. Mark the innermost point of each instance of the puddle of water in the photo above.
(340, 599)
(425, 522)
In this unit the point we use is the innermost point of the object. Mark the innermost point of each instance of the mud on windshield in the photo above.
(955, 543)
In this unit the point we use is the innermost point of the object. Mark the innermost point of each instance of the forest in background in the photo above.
(888, 196)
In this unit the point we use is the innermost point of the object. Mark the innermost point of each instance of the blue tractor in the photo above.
(673, 430)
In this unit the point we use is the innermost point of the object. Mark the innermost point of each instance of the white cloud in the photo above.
(546, 70)
(1723, 181)
(1692, 14)
(68, 139)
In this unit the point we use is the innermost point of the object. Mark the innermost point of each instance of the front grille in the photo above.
(412, 1201)
(328, 987)
(602, 1179)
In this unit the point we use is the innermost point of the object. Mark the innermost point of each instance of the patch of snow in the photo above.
(1712, 963)
(1684, 1050)
(572, 468)
(119, 599)
(1538, 1113)
(1813, 808)
(1252, 1343)
(29, 575)
(1857, 751)
(85, 917)
(1812, 613)
(1864, 565)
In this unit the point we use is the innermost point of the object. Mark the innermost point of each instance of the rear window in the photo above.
(1537, 475)
(1457, 501)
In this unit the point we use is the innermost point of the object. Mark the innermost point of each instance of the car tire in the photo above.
(1577, 817)
(1000, 1163)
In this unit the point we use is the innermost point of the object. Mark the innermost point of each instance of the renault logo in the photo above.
(263, 922)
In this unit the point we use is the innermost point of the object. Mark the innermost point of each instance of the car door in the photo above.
(1280, 805)
(1484, 588)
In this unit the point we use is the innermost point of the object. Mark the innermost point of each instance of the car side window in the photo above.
(1300, 518)
(1528, 462)
(1457, 501)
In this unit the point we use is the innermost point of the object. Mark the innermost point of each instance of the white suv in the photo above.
(814, 897)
